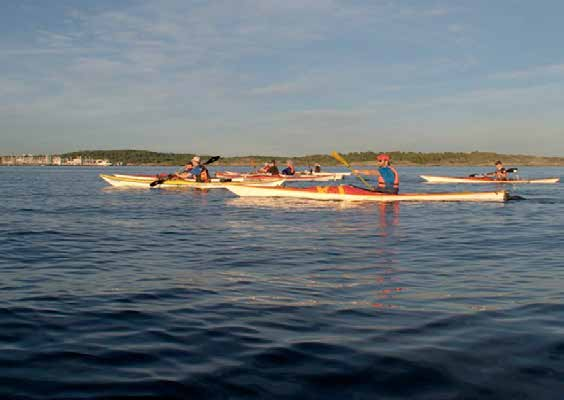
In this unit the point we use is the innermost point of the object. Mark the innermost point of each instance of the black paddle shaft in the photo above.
(509, 171)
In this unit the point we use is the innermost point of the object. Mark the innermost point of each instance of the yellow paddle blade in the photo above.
(340, 158)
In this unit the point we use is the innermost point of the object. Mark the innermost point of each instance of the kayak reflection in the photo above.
(389, 216)
(286, 203)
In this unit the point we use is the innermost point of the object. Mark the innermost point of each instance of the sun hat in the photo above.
(384, 157)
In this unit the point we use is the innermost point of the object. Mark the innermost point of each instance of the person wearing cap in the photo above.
(388, 177)
(289, 170)
(317, 168)
(194, 169)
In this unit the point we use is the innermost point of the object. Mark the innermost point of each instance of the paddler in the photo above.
(194, 169)
(273, 169)
(289, 170)
(317, 168)
(264, 168)
(388, 177)
(500, 172)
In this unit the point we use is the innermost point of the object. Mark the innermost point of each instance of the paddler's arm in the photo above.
(373, 172)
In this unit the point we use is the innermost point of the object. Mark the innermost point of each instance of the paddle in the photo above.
(340, 158)
(162, 180)
(509, 171)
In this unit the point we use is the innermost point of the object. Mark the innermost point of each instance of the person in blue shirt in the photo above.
(388, 177)
(289, 170)
(195, 170)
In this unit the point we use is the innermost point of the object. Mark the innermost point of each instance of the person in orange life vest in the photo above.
(289, 170)
(388, 177)
(197, 170)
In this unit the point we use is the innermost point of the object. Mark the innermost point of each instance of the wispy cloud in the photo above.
(319, 68)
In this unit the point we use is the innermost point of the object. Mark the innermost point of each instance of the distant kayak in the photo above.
(299, 176)
(262, 178)
(136, 181)
(485, 179)
(353, 193)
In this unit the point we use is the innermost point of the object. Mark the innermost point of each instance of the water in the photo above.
(109, 293)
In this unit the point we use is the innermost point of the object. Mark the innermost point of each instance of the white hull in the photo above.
(144, 183)
(448, 179)
(154, 177)
(263, 191)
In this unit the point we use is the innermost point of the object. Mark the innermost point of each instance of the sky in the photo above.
(288, 77)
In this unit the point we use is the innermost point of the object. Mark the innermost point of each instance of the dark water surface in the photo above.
(108, 293)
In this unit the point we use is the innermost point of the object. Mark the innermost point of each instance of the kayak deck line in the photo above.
(352, 193)
(128, 181)
(464, 179)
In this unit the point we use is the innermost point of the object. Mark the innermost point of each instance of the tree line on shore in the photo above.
(144, 157)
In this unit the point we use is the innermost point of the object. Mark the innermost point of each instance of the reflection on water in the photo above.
(389, 216)
(289, 204)
(186, 294)
(386, 284)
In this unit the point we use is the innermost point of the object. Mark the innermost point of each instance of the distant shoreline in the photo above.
(362, 159)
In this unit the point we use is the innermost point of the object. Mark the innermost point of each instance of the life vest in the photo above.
(289, 171)
(388, 178)
(501, 174)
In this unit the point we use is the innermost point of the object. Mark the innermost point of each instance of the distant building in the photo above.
(102, 163)
(75, 161)
(49, 159)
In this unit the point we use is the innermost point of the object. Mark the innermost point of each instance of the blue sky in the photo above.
(282, 77)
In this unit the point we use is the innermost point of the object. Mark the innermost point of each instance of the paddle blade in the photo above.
(157, 182)
(512, 170)
(212, 160)
(161, 180)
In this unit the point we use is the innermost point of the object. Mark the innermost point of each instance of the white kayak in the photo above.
(353, 193)
(136, 181)
(485, 179)
(297, 177)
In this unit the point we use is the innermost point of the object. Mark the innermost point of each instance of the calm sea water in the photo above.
(109, 293)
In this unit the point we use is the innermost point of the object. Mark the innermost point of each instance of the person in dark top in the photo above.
(317, 168)
(273, 169)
